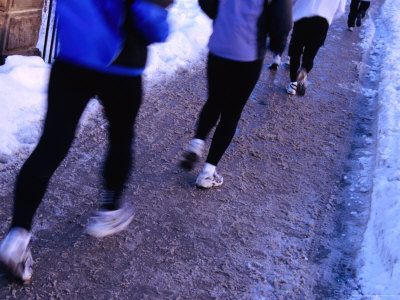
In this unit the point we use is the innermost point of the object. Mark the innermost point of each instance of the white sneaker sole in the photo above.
(21, 271)
(210, 183)
(99, 230)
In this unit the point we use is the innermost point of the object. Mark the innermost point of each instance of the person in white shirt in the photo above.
(312, 19)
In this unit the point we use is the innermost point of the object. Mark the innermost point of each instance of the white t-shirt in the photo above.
(328, 9)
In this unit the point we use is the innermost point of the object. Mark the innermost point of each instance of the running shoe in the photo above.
(301, 82)
(193, 154)
(208, 180)
(107, 222)
(292, 88)
(275, 62)
(15, 255)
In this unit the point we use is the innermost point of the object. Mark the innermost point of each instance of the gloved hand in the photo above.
(150, 20)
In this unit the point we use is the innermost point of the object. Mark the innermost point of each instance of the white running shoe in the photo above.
(193, 154)
(107, 222)
(208, 180)
(351, 29)
(15, 255)
(292, 88)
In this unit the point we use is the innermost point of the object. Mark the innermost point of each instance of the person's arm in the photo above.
(210, 7)
(150, 19)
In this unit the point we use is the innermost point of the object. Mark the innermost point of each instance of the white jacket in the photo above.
(328, 9)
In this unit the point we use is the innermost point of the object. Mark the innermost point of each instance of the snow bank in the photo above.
(380, 272)
(190, 29)
(23, 86)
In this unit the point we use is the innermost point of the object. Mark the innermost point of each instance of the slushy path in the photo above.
(267, 233)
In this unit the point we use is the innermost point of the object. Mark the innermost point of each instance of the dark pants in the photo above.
(357, 7)
(308, 36)
(230, 84)
(70, 89)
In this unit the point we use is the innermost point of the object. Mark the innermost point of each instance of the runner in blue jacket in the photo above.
(103, 50)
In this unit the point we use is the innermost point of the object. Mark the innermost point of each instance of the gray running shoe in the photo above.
(15, 255)
(107, 222)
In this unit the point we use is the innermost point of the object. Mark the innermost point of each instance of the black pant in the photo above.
(230, 84)
(357, 7)
(308, 36)
(70, 89)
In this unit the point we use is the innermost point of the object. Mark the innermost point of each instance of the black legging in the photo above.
(70, 89)
(308, 36)
(230, 84)
(357, 7)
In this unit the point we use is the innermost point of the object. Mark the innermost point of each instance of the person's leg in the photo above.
(351, 19)
(211, 110)
(362, 10)
(295, 51)
(209, 114)
(240, 79)
(234, 87)
(296, 46)
(278, 43)
(67, 99)
(317, 27)
(121, 97)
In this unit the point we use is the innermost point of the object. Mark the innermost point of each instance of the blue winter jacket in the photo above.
(110, 35)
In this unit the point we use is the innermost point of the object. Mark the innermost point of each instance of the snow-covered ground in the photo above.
(379, 259)
(23, 84)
